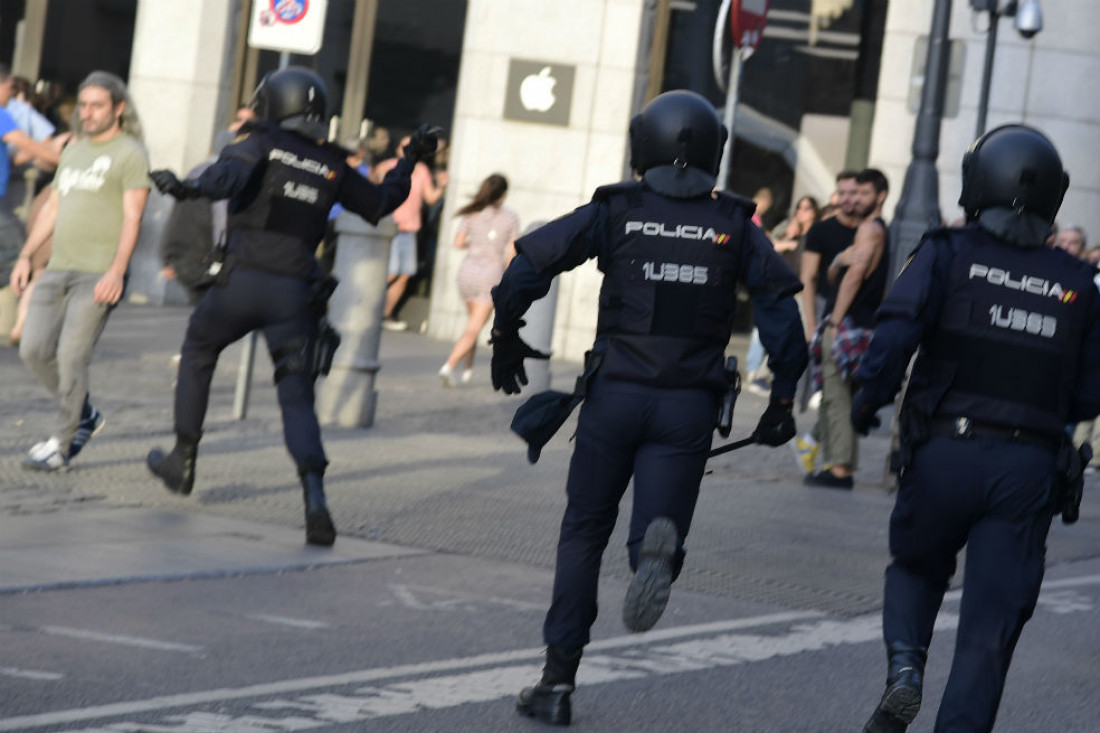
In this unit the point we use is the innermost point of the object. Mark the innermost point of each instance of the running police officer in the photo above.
(672, 253)
(1008, 333)
(281, 179)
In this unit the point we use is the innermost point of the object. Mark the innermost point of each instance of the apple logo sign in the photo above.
(539, 91)
(536, 91)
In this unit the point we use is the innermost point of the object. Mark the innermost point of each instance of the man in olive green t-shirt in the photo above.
(94, 214)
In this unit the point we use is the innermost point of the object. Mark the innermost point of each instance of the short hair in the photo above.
(875, 177)
(846, 175)
(1080, 230)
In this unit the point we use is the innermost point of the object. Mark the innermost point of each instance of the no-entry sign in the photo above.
(747, 21)
(294, 26)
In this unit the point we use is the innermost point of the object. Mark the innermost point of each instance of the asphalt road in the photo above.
(123, 608)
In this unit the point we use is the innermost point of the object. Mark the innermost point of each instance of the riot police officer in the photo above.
(281, 180)
(1007, 335)
(672, 253)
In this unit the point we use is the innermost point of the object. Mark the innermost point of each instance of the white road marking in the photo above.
(30, 674)
(137, 641)
(411, 596)
(485, 677)
(320, 711)
(298, 623)
(63, 717)
(1048, 585)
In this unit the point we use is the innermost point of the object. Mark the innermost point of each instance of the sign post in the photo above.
(287, 26)
(747, 20)
(292, 26)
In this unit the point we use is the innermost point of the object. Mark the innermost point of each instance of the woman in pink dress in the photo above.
(487, 230)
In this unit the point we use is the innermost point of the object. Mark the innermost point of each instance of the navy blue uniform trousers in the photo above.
(658, 436)
(276, 305)
(997, 498)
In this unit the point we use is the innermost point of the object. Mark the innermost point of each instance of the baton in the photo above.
(732, 446)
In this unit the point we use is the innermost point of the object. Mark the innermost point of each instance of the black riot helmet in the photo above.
(678, 128)
(1013, 167)
(295, 99)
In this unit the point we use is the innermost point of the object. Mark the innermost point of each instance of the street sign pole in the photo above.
(746, 23)
(730, 113)
(278, 28)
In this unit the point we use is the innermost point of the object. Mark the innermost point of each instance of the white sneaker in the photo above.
(446, 375)
(50, 458)
(42, 449)
(815, 400)
(467, 376)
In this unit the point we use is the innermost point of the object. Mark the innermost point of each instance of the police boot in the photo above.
(319, 527)
(901, 701)
(548, 701)
(648, 592)
(176, 469)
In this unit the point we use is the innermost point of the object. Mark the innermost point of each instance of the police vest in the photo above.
(276, 223)
(1006, 346)
(669, 291)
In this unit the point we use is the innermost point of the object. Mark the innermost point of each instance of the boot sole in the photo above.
(562, 716)
(648, 593)
(900, 704)
(903, 703)
(319, 529)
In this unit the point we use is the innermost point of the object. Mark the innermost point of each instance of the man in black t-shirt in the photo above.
(857, 278)
(825, 240)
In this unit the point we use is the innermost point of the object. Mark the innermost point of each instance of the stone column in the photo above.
(180, 74)
(347, 396)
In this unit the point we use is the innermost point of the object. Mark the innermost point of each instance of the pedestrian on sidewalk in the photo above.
(426, 189)
(487, 231)
(94, 214)
(672, 253)
(826, 239)
(281, 179)
(986, 461)
(860, 274)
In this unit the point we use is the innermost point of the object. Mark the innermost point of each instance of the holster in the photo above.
(1070, 467)
(324, 345)
(320, 291)
(913, 431)
(592, 361)
(729, 399)
(217, 265)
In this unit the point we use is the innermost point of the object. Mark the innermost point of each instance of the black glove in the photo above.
(863, 415)
(506, 369)
(776, 425)
(423, 144)
(167, 183)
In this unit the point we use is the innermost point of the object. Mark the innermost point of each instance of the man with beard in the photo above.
(846, 330)
(824, 241)
(93, 214)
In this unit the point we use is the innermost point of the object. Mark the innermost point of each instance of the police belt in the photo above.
(964, 427)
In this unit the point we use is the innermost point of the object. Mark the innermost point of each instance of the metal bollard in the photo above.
(243, 391)
(539, 332)
(347, 396)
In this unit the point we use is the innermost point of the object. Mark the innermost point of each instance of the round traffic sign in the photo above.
(747, 21)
